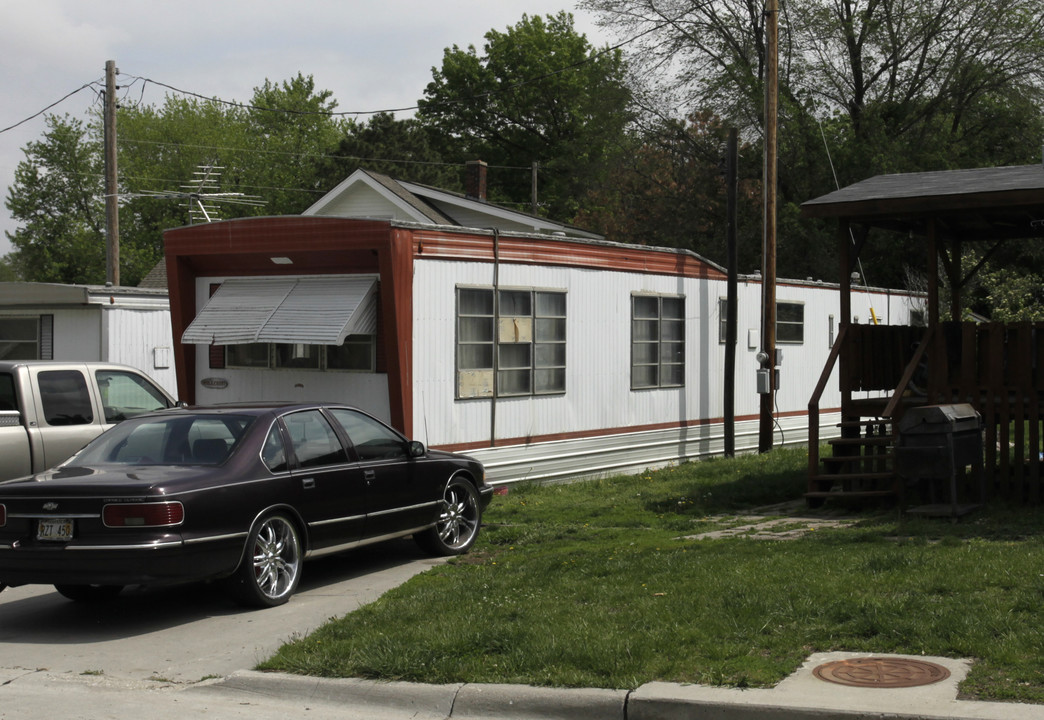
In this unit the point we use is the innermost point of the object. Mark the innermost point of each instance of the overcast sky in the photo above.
(372, 54)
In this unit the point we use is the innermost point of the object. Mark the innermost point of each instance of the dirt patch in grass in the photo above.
(783, 521)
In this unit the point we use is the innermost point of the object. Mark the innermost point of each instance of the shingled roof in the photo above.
(980, 204)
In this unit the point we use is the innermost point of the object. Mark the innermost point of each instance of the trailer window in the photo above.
(514, 347)
(657, 341)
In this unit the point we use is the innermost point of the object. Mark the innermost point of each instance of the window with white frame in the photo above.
(657, 341)
(357, 354)
(790, 323)
(516, 346)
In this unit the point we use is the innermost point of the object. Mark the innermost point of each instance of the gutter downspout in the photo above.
(496, 338)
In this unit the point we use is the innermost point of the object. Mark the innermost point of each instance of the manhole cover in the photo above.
(881, 672)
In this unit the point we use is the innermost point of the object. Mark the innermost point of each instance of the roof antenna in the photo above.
(200, 195)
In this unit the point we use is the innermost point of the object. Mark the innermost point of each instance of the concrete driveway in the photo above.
(186, 634)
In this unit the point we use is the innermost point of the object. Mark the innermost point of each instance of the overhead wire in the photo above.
(56, 102)
(134, 79)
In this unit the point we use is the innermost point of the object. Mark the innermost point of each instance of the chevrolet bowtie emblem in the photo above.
(50, 506)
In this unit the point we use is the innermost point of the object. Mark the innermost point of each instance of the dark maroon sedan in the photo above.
(238, 492)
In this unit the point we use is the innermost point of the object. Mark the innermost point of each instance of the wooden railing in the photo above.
(813, 403)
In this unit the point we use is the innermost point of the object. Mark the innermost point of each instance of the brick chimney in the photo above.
(475, 179)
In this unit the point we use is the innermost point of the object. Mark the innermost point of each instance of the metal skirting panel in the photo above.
(630, 453)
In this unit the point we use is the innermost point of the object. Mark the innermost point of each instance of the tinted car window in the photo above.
(273, 454)
(183, 440)
(8, 399)
(65, 398)
(315, 442)
(371, 439)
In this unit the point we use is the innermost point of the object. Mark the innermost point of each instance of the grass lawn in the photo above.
(603, 583)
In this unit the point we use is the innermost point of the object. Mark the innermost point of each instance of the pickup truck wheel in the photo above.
(89, 593)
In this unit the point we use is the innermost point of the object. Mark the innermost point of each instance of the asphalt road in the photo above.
(186, 634)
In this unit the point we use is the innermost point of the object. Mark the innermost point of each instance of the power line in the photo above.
(145, 81)
(320, 156)
(56, 102)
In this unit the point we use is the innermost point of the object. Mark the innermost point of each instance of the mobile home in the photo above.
(544, 352)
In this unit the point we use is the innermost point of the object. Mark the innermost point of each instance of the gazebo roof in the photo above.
(981, 204)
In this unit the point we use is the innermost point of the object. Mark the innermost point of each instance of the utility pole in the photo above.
(533, 188)
(729, 399)
(767, 356)
(112, 214)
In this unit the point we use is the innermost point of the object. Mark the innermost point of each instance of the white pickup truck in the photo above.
(51, 409)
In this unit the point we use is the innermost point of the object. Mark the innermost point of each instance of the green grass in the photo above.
(595, 584)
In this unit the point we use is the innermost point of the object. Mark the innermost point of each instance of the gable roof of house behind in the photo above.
(424, 204)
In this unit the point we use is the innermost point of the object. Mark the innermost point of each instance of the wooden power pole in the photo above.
(112, 214)
(767, 355)
(729, 399)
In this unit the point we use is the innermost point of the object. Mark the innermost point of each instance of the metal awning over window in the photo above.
(313, 310)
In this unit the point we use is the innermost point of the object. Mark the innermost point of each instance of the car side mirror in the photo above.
(416, 449)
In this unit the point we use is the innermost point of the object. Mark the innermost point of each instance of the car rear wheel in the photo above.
(271, 566)
(89, 593)
(458, 524)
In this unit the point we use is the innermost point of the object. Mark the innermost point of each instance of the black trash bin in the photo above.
(937, 442)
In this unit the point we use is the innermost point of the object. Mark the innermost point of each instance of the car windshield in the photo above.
(169, 440)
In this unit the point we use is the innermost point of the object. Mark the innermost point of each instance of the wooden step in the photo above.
(863, 422)
(852, 495)
(861, 476)
(851, 459)
(875, 440)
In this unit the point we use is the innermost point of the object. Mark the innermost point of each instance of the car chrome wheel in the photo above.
(458, 523)
(271, 565)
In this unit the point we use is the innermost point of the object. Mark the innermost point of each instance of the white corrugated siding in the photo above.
(142, 339)
(598, 395)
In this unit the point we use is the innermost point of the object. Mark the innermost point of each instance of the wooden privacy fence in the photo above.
(998, 368)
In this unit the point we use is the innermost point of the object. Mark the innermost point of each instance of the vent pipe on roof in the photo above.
(475, 179)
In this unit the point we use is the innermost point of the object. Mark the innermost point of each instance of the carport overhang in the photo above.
(944, 209)
(298, 246)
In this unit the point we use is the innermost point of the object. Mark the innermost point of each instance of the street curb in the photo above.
(652, 701)
(421, 700)
(518, 702)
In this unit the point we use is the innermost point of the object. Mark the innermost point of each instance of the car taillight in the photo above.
(159, 514)
(3, 515)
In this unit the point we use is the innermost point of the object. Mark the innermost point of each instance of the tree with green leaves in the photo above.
(670, 191)
(270, 149)
(866, 87)
(405, 149)
(57, 199)
(292, 128)
(538, 93)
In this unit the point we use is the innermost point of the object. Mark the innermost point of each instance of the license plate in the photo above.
(54, 529)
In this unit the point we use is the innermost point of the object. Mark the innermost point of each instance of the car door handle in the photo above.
(308, 483)
(369, 475)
